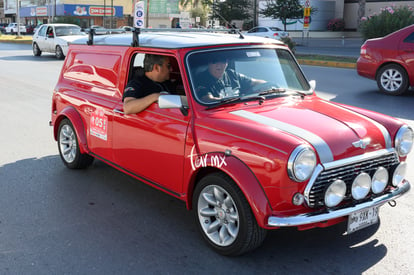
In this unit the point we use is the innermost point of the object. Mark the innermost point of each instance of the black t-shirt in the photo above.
(142, 86)
(230, 84)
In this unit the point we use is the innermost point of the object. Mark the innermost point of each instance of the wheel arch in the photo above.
(245, 180)
(393, 62)
(77, 122)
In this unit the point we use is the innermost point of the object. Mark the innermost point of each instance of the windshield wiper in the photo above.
(224, 101)
(273, 91)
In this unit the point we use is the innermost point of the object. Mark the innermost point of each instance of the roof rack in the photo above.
(137, 31)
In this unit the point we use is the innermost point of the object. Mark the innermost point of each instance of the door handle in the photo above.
(119, 111)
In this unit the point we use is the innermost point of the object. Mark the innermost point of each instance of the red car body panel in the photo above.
(392, 48)
(249, 142)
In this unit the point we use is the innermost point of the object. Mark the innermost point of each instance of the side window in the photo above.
(49, 31)
(252, 30)
(42, 31)
(175, 83)
(410, 38)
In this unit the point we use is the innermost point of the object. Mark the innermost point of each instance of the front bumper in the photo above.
(313, 217)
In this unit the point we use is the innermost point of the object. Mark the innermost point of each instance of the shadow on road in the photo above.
(100, 221)
(42, 58)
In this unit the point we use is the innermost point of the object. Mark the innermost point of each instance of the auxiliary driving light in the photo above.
(399, 174)
(379, 180)
(298, 199)
(361, 186)
(335, 193)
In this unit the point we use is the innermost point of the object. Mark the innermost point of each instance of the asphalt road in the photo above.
(99, 221)
(347, 47)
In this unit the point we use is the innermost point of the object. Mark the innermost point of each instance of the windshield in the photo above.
(217, 76)
(68, 30)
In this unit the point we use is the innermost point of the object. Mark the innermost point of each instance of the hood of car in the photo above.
(70, 38)
(334, 131)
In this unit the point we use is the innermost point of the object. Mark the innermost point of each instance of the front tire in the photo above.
(69, 147)
(224, 217)
(392, 80)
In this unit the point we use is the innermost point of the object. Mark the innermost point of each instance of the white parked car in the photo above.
(55, 38)
(269, 32)
(12, 28)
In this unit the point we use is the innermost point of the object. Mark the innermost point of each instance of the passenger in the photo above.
(144, 89)
(218, 82)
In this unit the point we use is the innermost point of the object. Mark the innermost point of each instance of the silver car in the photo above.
(268, 32)
(55, 38)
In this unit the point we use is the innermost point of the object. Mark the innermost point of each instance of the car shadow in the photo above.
(103, 219)
(43, 58)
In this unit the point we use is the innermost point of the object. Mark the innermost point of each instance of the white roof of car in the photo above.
(60, 24)
(176, 39)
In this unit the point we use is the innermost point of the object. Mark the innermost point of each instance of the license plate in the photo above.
(363, 218)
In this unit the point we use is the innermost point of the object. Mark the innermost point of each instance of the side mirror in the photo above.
(173, 102)
(312, 84)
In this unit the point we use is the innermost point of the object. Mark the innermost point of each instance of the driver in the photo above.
(216, 82)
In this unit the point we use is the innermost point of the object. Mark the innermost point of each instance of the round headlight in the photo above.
(335, 193)
(361, 186)
(379, 180)
(301, 163)
(399, 174)
(404, 140)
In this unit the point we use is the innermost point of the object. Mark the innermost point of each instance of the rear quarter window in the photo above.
(101, 70)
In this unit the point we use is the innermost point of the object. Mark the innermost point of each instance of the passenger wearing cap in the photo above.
(218, 82)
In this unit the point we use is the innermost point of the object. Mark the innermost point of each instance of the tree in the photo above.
(283, 10)
(234, 9)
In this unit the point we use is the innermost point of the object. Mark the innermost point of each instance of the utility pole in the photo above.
(112, 13)
(18, 17)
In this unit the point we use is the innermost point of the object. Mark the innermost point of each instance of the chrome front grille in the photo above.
(347, 173)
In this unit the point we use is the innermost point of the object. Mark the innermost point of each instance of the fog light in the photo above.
(298, 199)
(379, 180)
(335, 193)
(361, 186)
(399, 174)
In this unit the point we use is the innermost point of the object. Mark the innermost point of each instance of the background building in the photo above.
(331, 9)
(166, 13)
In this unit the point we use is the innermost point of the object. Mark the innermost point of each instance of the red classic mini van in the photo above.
(257, 158)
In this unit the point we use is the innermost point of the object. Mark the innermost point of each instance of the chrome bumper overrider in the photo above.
(309, 218)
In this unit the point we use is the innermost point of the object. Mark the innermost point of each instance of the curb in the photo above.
(344, 65)
(16, 40)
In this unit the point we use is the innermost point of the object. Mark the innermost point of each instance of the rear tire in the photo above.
(69, 147)
(59, 53)
(224, 217)
(36, 50)
(392, 79)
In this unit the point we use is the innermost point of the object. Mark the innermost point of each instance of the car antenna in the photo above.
(227, 22)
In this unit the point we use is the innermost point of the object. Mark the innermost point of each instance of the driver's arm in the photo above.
(134, 105)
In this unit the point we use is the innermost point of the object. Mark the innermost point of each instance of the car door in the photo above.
(406, 49)
(40, 38)
(50, 39)
(150, 144)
